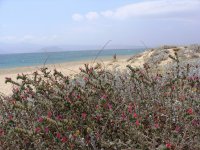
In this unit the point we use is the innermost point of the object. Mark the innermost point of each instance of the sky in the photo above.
(94, 22)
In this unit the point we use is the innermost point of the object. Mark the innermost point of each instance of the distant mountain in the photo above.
(51, 49)
(18, 48)
(28, 48)
(97, 47)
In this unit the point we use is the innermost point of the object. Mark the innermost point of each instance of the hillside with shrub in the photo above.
(140, 108)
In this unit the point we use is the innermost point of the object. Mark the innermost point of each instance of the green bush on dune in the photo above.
(100, 109)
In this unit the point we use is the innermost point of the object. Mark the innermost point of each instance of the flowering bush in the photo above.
(101, 109)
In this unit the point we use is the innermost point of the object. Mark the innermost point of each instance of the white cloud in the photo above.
(92, 15)
(155, 8)
(89, 16)
(77, 17)
(107, 13)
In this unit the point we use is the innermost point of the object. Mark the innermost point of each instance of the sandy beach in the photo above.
(68, 68)
(159, 56)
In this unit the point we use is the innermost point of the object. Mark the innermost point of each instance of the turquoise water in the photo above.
(33, 59)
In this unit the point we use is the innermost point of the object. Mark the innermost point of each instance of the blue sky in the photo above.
(93, 22)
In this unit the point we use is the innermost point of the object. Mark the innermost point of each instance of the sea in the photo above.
(34, 59)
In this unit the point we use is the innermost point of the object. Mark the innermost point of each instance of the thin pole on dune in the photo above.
(144, 44)
(101, 50)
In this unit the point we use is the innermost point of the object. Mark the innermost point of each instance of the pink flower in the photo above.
(23, 97)
(64, 139)
(46, 129)
(156, 125)
(1, 132)
(190, 111)
(137, 123)
(123, 116)
(109, 106)
(59, 117)
(78, 96)
(90, 70)
(49, 114)
(37, 130)
(196, 122)
(10, 117)
(73, 94)
(81, 69)
(135, 115)
(15, 90)
(85, 79)
(173, 87)
(83, 115)
(58, 135)
(40, 119)
(168, 145)
(68, 100)
(104, 96)
(130, 108)
(177, 129)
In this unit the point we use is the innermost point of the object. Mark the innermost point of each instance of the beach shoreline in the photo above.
(30, 68)
(67, 68)
(153, 57)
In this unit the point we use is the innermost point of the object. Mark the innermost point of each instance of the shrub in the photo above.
(168, 46)
(101, 109)
(195, 48)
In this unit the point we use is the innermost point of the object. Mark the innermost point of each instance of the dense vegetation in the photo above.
(140, 108)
